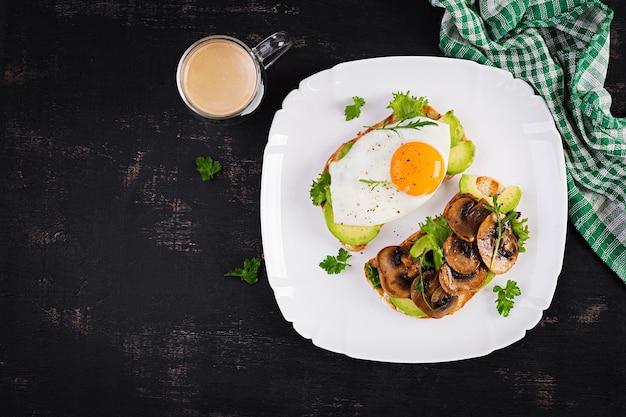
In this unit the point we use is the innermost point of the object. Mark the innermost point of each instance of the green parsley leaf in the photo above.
(207, 167)
(249, 272)
(354, 110)
(505, 302)
(405, 106)
(336, 264)
(320, 188)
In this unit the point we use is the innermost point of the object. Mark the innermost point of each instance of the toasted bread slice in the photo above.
(429, 112)
(406, 245)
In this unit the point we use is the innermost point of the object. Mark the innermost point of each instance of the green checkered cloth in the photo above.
(560, 47)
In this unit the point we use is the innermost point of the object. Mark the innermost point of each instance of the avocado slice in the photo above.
(508, 199)
(467, 185)
(346, 148)
(490, 276)
(407, 306)
(456, 129)
(421, 245)
(461, 157)
(350, 235)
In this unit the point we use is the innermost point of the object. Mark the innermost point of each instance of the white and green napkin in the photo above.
(560, 47)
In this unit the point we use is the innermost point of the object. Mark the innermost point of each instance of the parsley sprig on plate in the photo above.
(353, 110)
(504, 302)
(336, 264)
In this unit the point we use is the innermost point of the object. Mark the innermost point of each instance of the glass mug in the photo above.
(223, 80)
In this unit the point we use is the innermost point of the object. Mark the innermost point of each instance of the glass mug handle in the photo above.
(272, 48)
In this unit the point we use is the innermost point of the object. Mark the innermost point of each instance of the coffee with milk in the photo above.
(221, 79)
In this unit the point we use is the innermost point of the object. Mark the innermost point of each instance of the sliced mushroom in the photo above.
(396, 271)
(455, 283)
(430, 297)
(464, 214)
(507, 251)
(460, 254)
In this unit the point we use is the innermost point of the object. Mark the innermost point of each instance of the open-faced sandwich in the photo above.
(439, 268)
(390, 169)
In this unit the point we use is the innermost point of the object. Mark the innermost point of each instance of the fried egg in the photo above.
(389, 173)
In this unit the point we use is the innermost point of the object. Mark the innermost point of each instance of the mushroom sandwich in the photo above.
(439, 268)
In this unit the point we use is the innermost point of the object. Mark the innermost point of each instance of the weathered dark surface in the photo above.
(112, 295)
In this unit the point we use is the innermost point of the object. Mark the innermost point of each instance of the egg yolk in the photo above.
(417, 168)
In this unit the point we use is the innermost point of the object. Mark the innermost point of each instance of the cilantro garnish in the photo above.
(207, 167)
(319, 189)
(354, 110)
(405, 106)
(336, 264)
(249, 272)
(505, 302)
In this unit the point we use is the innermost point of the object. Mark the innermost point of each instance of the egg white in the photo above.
(357, 203)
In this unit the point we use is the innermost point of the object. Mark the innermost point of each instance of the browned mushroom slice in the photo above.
(464, 214)
(507, 251)
(460, 254)
(430, 297)
(455, 283)
(395, 270)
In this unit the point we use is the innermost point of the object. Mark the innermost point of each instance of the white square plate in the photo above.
(516, 142)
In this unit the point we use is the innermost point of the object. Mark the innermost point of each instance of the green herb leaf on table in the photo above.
(249, 272)
(353, 111)
(207, 167)
(504, 302)
(336, 264)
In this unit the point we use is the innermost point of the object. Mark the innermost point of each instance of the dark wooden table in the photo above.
(113, 251)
